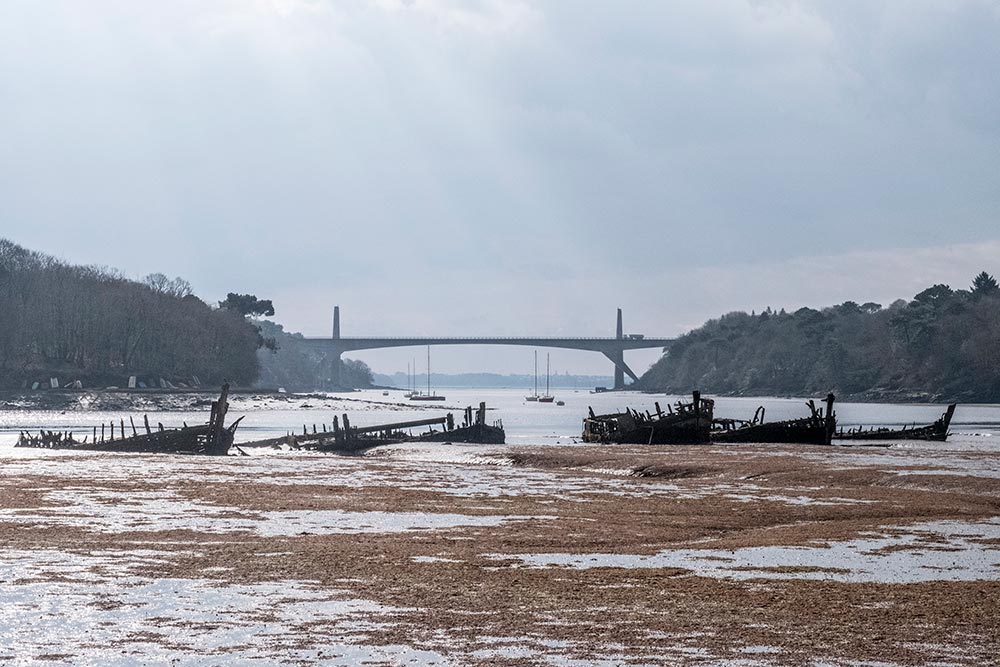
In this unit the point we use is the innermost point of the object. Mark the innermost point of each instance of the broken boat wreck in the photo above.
(212, 439)
(694, 423)
(938, 431)
(344, 438)
(216, 439)
(816, 429)
(682, 424)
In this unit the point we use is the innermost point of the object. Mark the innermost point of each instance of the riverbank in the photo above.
(159, 400)
(894, 396)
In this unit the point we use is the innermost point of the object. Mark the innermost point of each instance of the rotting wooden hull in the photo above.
(798, 431)
(690, 424)
(816, 429)
(936, 432)
(212, 439)
(351, 440)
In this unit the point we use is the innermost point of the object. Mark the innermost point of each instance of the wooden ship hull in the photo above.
(343, 438)
(212, 439)
(682, 424)
(816, 429)
(936, 432)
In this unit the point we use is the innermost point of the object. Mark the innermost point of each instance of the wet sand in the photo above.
(459, 555)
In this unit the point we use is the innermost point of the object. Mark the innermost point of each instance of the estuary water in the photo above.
(975, 427)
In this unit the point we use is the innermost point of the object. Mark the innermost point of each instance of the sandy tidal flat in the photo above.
(457, 555)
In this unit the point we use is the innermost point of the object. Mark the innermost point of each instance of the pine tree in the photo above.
(984, 285)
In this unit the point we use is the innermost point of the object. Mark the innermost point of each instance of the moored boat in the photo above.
(548, 397)
(416, 395)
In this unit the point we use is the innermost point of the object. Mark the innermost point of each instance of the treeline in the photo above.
(296, 366)
(943, 345)
(94, 325)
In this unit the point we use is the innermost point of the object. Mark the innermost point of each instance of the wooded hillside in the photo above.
(942, 345)
(299, 367)
(94, 325)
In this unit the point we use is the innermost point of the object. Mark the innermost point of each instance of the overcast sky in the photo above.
(508, 167)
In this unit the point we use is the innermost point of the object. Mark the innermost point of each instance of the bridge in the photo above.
(613, 348)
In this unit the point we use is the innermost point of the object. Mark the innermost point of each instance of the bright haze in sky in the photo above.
(492, 167)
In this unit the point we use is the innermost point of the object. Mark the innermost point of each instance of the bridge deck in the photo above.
(594, 344)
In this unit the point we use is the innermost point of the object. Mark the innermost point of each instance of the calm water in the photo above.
(974, 427)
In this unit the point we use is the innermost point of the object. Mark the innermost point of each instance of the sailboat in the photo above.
(547, 398)
(534, 397)
(417, 396)
(410, 381)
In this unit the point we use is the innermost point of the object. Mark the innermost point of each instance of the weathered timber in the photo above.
(816, 429)
(938, 431)
(348, 439)
(213, 438)
(682, 424)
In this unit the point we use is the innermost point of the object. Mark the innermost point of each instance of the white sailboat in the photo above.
(534, 397)
(417, 396)
(409, 381)
(547, 398)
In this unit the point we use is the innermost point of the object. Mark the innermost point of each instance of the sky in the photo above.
(515, 167)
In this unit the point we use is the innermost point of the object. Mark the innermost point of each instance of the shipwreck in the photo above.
(682, 424)
(211, 439)
(938, 431)
(816, 429)
(341, 437)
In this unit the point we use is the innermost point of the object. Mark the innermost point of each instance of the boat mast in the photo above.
(536, 372)
(546, 373)
(428, 370)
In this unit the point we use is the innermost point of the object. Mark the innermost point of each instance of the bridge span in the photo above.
(613, 348)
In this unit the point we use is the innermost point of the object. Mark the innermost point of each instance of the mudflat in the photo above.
(464, 555)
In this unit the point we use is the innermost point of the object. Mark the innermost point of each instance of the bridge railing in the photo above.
(433, 338)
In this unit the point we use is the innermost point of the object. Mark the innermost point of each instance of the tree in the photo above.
(984, 285)
(177, 287)
(94, 324)
(247, 305)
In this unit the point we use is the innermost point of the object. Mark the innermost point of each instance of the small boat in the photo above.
(385, 393)
(938, 431)
(411, 380)
(547, 398)
(417, 396)
(816, 429)
(534, 397)
(560, 402)
(426, 397)
(682, 424)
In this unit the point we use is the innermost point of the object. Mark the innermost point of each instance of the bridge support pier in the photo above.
(335, 368)
(621, 368)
